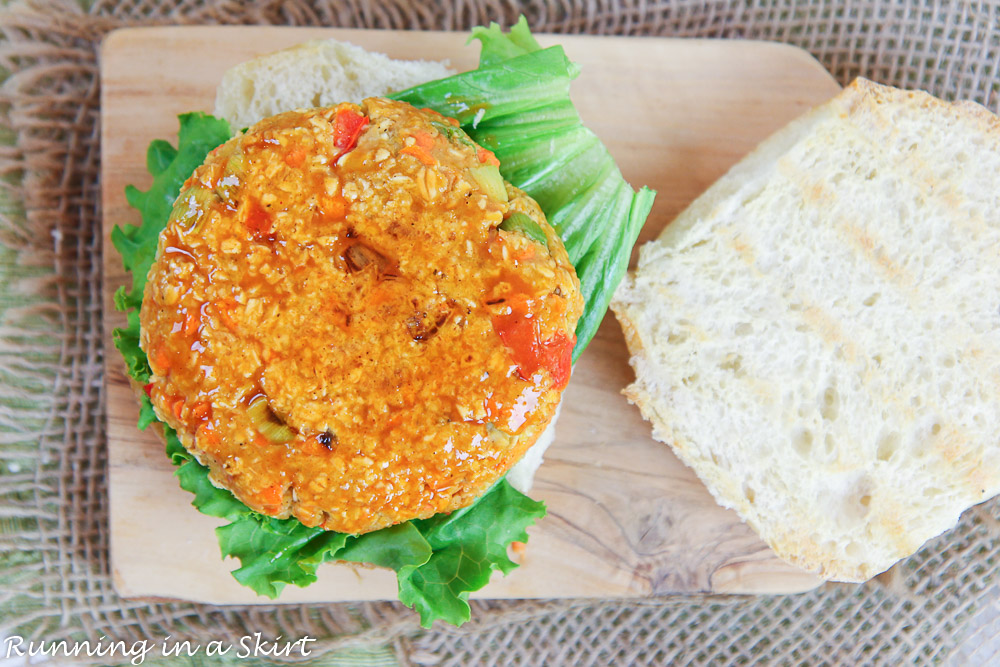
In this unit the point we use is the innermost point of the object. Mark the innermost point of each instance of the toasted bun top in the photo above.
(818, 335)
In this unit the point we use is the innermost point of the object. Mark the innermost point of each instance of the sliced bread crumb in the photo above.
(314, 74)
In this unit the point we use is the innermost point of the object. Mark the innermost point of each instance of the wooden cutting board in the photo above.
(626, 518)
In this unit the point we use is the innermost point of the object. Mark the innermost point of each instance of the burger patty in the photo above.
(353, 320)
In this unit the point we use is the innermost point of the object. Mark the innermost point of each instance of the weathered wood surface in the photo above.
(626, 518)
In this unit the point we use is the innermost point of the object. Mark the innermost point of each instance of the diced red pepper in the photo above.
(148, 388)
(347, 127)
(487, 157)
(518, 329)
(558, 352)
(258, 219)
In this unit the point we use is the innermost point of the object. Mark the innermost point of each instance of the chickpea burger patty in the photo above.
(353, 320)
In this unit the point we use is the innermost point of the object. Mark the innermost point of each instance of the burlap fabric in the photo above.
(54, 575)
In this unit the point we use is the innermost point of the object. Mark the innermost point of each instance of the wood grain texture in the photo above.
(626, 518)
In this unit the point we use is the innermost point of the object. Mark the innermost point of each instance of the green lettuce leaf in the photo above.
(517, 105)
(146, 414)
(395, 547)
(468, 546)
(199, 133)
(499, 46)
(127, 341)
(276, 552)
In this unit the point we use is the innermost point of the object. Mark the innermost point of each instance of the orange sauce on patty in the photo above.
(339, 329)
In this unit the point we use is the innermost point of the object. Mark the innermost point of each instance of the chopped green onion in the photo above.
(522, 224)
(490, 181)
(267, 423)
(192, 204)
(235, 167)
(452, 133)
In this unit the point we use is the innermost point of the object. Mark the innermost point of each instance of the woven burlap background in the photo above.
(54, 573)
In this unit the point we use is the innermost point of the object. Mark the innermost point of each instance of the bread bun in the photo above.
(818, 335)
(318, 73)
